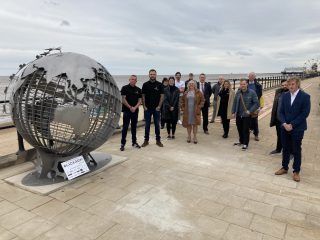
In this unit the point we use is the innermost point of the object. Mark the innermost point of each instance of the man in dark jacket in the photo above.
(294, 110)
(254, 85)
(245, 103)
(274, 121)
(205, 88)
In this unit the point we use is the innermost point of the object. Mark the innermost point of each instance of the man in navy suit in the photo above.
(294, 110)
(205, 88)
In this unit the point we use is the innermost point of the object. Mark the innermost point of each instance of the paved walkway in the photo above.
(211, 190)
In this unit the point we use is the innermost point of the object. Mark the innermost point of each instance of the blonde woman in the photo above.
(192, 102)
(224, 106)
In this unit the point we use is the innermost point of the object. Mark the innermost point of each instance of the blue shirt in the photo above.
(252, 86)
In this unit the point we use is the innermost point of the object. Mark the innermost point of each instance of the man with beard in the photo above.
(152, 98)
(275, 112)
(245, 103)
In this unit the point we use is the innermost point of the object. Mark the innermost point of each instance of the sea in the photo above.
(122, 80)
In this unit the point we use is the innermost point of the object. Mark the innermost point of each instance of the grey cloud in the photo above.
(244, 53)
(266, 34)
(144, 52)
(51, 3)
(283, 54)
(64, 23)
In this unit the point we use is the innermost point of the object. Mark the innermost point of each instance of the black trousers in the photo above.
(162, 122)
(243, 124)
(127, 118)
(171, 127)
(205, 116)
(279, 143)
(225, 124)
(291, 142)
(254, 126)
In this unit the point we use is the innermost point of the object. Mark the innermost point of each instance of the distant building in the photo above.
(294, 70)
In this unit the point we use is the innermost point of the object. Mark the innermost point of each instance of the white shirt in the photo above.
(201, 87)
(293, 96)
(180, 85)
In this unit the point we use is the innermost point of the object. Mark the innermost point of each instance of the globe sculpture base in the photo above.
(49, 165)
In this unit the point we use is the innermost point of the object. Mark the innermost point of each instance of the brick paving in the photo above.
(211, 190)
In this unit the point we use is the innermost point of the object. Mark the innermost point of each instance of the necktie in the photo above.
(202, 88)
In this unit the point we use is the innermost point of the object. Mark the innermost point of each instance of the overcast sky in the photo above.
(211, 36)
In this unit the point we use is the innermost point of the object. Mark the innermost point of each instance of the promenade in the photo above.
(184, 191)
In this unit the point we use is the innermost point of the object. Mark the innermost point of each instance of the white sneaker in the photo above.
(179, 122)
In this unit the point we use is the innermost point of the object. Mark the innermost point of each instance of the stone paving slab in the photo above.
(211, 190)
(29, 182)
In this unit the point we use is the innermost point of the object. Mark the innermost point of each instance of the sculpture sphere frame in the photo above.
(61, 116)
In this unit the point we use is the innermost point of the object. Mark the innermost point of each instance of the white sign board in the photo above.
(75, 167)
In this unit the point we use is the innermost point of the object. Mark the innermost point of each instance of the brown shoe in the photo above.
(281, 171)
(256, 138)
(145, 143)
(159, 144)
(296, 177)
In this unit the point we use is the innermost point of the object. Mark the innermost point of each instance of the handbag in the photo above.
(252, 114)
(261, 102)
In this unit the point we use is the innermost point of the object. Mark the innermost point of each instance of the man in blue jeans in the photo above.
(131, 100)
(152, 98)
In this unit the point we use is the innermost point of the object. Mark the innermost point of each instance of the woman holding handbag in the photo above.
(192, 102)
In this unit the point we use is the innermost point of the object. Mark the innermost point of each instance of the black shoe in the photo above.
(159, 143)
(136, 145)
(237, 144)
(122, 148)
(169, 137)
(244, 147)
(145, 143)
(274, 152)
(225, 135)
(173, 137)
(162, 127)
(206, 132)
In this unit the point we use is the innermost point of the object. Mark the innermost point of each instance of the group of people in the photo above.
(174, 101)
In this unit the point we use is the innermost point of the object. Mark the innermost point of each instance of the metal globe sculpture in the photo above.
(65, 104)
